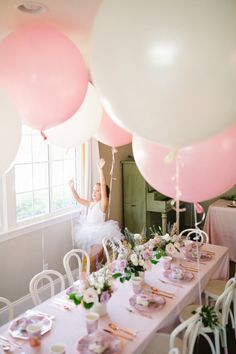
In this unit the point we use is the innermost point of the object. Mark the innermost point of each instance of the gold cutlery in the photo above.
(191, 269)
(162, 292)
(209, 252)
(115, 327)
(122, 336)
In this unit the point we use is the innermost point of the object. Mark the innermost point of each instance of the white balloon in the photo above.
(10, 127)
(166, 70)
(81, 127)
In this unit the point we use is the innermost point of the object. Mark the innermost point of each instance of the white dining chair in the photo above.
(222, 306)
(163, 343)
(195, 234)
(8, 305)
(111, 247)
(80, 257)
(41, 280)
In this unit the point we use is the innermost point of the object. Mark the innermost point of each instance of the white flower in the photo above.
(137, 237)
(90, 295)
(166, 237)
(134, 259)
(141, 262)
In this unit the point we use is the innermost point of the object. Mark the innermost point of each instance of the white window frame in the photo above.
(8, 200)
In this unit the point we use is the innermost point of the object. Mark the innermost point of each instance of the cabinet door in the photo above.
(134, 218)
(133, 185)
(133, 198)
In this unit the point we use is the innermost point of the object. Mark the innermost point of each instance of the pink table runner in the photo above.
(69, 326)
(220, 225)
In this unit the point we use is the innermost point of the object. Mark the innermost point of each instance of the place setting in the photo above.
(109, 340)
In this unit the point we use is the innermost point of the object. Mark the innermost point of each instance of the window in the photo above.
(40, 177)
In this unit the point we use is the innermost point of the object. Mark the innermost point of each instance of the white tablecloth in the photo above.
(69, 326)
(221, 225)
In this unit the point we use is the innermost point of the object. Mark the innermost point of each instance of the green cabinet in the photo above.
(142, 205)
(134, 202)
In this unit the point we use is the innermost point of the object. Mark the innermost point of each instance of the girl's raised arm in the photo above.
(76, 196)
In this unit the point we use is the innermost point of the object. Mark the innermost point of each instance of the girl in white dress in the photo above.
(91, 230)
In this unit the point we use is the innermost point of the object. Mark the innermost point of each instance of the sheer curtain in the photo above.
(91, 174)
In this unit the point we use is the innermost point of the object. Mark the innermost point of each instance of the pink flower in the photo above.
(105, 297)
(147, 255)
(170, 249)
(122, 265)
(90, 295)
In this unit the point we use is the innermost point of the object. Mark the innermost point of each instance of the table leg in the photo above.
(164, 222)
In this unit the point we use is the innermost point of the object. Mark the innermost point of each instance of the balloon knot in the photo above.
(43, 135)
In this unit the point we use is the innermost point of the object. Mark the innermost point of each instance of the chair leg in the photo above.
(223, 336)
(217, 341)
(206, 299)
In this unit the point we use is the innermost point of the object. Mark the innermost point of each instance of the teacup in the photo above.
(34, 333)
(92, 321)
(177, 273)
(166, 262)
(137, 284)
(188, 245)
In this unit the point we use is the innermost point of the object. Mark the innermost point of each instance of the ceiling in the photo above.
(73, 17)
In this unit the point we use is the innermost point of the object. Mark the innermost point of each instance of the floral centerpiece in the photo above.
(163, 245)
(132, 262)
(96, 288)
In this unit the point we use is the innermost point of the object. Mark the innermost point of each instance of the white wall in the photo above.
(21, 257)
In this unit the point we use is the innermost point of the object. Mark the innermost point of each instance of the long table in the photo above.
(69, 326)
(220, 225)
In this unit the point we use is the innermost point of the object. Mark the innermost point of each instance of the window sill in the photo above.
(40, 224)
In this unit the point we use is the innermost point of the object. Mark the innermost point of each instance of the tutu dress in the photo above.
(90, 230)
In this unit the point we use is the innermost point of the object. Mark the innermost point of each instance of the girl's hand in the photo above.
(101, 163)
(71, 183)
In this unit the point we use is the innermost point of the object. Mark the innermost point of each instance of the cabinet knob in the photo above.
(133, 205)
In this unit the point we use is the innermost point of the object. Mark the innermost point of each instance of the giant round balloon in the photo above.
(111, 134)
(167, 70)
(10, 127)
(81, 126)
(206, 169)
(45, 74)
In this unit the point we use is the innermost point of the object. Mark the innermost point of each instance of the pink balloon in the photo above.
(44, 73)
(111, 134)
(208, 167)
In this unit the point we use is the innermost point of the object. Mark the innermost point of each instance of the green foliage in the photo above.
(208, 316)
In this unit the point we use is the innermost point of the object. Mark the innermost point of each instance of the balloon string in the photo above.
(113, 151)
(43, 250)
(197, 223)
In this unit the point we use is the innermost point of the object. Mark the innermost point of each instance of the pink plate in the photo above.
(186, 275)
(204, 257)
(155, 302)
(105, 342)
(17, 327)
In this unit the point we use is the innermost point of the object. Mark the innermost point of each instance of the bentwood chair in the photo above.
(81, 258)
(9, 308)
(163, 343)
(196, 235)
(41, 281)
(222, 306)
(111, 248)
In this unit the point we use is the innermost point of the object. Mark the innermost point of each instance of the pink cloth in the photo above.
(70, 326)
(220, 225)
